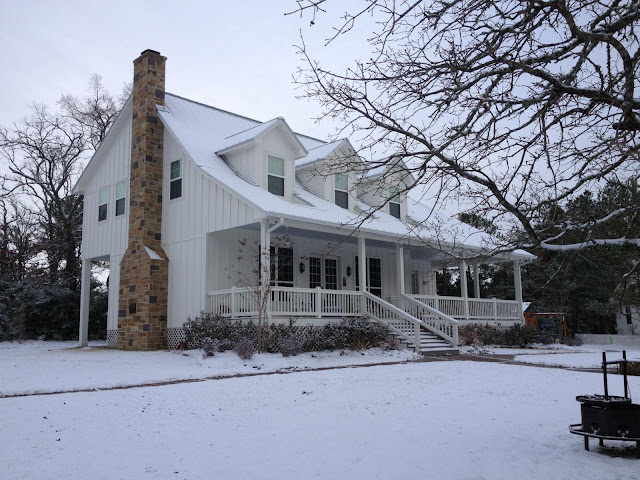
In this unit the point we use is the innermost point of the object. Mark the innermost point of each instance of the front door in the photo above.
(323, 272)
(374, 273)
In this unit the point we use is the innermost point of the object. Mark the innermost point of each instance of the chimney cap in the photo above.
(148, 50)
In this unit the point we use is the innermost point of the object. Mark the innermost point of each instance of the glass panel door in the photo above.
(331, 273)
(375, 276)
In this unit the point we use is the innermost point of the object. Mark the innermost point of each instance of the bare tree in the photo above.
(44, 154)
(512, 107)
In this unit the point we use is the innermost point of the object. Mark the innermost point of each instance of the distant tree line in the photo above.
(41, 157)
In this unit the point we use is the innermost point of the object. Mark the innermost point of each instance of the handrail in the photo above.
(451, 322)
(398, 312)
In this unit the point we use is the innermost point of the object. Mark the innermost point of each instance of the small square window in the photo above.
(175, 180)
(121, 196)
(103, 200)
(275, 177)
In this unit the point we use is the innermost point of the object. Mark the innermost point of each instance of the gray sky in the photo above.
(238, 56)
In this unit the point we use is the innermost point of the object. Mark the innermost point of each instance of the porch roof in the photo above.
(202, 131)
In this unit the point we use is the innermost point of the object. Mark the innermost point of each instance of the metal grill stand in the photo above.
(608, 417)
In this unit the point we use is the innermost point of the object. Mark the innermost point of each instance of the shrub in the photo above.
(345, 334)
(515, 335)
(209, 347)
(290, 345)
(245, 349)
(574, 342)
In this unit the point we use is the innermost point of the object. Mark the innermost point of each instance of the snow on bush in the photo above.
(245, 349)
(515, 335)
(210, 346)
(290, 346)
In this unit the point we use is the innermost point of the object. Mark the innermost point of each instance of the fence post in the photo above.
(417, 334)
(318, 300)
(495, 309)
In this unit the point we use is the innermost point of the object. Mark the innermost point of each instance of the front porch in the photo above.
(315, 276)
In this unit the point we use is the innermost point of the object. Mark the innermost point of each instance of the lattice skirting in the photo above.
(112, 338)
(174, 336)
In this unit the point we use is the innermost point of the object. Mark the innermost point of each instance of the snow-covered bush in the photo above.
(245, 349)
(352, 333)
(515, 335)
(290, 346)
(210, 346)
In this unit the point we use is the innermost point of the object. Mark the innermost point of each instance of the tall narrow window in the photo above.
(628, 315)
(121, 196)
(281, 266)
(275, 180)
(103, 200)
(394, 202)
(175, 180)
(342, 190)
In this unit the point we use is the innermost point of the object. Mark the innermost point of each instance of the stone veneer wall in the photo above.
(144, 274)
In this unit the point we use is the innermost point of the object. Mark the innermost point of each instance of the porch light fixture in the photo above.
(301, 267)
(348, 271)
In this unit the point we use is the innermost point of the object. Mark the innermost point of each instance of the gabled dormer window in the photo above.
(275, 177)
(103, 200)
(175, 180)
(394, 202)
(341, 192)
(121, 196)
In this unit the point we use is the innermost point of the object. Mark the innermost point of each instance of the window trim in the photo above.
(336, 190)
(176, 179)
(123, 197)
(104, 203)
(275, 175)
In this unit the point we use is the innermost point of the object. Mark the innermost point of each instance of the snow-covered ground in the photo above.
(44, 367)
(453, 420)
(584, 356)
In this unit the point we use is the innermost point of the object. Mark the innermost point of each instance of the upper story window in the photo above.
(121, 196)
(394, 202)
(342, 190)
(103, 200)
(275, 178)
(175, 180)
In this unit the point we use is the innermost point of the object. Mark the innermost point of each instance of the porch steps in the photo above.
(430, 344)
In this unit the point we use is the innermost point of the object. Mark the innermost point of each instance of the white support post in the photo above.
(495, 308)
(318, 302)
(233, 302)
(265, 262)
(476, 280)
(517, 284)
(400, 267)
(362, 263)
(85, 290)
(463, 287)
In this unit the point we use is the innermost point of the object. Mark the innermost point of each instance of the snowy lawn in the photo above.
(584, 356)
(438, 420)
(35, 366)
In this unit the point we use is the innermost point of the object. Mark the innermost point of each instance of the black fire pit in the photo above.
(608, 417)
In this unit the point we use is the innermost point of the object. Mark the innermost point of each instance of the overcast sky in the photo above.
(236, 55)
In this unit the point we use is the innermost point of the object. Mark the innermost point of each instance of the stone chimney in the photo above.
(144, 268)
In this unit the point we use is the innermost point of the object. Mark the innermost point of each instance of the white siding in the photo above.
(114, 288)
(110, 166)
(187, 280)
(204, 206)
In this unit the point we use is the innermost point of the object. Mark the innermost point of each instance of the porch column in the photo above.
(85, 290)
(265, 261)
(362, 263)
(476, 280)
(463, 287)
(517, 284)
(400, 267)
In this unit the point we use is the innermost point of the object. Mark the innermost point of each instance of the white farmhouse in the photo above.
(186, 202)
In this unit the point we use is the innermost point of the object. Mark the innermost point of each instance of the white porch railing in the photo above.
(286, 301)
(437, 322)
(480, 309)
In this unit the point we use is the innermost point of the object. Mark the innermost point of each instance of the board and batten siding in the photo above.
(108, 237)
(204, 206)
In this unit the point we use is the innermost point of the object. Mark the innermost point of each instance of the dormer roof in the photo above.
(321, 152)
(251, 134)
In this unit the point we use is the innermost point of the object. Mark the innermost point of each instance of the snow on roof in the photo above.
(319, 153)
(241, 138)
(202, 131)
